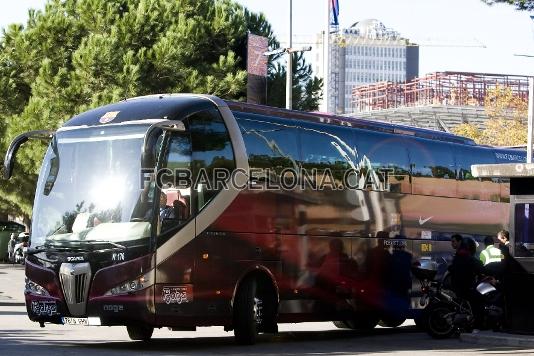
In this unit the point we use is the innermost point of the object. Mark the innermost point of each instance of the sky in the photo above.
(450, 24)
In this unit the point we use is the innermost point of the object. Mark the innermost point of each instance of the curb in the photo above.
(498, 339)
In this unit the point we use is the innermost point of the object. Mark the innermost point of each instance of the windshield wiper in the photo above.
(122, 247)
(53, 248)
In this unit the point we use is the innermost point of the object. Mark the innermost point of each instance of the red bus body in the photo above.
(339, 255)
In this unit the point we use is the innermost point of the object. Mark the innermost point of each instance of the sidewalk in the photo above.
(11, 284)
(487, 338)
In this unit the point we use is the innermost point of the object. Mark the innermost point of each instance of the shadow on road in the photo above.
(12, 304)
(339, 342)
(13, 313)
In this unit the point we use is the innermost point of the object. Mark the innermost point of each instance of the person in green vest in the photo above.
(490, 254)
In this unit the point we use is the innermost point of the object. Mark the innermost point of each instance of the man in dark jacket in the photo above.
(465, 271)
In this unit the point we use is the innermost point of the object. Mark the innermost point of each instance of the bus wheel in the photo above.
(367, 322)
(341, 324)
(391, 322)
(140, 332)
(248, 312)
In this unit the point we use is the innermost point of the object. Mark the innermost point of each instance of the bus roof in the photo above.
(149, 107)
(328, 119)
(172, 106)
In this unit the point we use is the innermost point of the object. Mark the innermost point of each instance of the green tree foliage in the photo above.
(519, 4)
(306, 90)
(507, 120)
(79, 54)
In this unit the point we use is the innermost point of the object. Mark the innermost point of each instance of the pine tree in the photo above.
(79, 54)
(519, 4)
(306, 89)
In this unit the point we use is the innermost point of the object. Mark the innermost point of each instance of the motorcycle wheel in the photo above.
(437, 324)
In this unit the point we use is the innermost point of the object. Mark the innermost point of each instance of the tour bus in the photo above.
(184, 211)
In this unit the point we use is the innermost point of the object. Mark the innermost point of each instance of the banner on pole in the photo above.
(257, 68)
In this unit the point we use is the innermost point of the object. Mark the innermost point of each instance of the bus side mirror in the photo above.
(9, 160)
(148, 158)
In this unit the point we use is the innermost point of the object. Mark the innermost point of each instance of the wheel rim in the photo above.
(438, 321)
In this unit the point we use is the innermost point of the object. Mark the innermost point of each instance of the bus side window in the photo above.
(433, 168)
(385, 152)
(470, 187)
(212, 155)
(322, 150)
(269, 145)
(175, 195)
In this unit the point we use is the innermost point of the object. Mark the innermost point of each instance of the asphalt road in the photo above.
(19, 336)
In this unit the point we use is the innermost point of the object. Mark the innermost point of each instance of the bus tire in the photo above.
(363, 323)
(391, 322)
(140, 332)
(247, 312)
(341, 324)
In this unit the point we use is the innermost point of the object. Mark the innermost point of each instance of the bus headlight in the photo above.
(134, 285)
(31, 287)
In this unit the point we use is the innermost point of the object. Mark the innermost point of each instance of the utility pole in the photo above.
(289, 72)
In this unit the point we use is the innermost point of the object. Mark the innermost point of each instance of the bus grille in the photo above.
(75, 279)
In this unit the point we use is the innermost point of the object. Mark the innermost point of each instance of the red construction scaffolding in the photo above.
(440, 88)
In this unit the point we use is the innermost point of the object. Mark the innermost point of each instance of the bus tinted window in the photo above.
(382, 151)
(270, 145)
(212, 150)
(468, 186)
(330, 149)
(175, 197)
(433, 167)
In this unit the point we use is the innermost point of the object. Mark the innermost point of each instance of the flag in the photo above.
(335, 12)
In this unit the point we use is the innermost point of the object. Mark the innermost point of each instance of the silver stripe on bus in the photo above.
(132, 122)
(222, 200)
(100, 138)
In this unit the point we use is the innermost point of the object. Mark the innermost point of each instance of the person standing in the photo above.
(11, 247)
(456, 240)
(490, 254)
(504, 243)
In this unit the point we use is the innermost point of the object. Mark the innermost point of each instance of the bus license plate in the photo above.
(75, 321)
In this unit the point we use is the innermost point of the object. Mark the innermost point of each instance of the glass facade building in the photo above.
(368, 52)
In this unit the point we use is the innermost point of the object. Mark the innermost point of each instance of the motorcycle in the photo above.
(445, 314)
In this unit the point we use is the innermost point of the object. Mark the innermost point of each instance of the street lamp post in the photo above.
(289, 78)
(289, 50)
(289, 72)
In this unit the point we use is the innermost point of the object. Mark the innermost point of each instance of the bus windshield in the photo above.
(89, 188)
